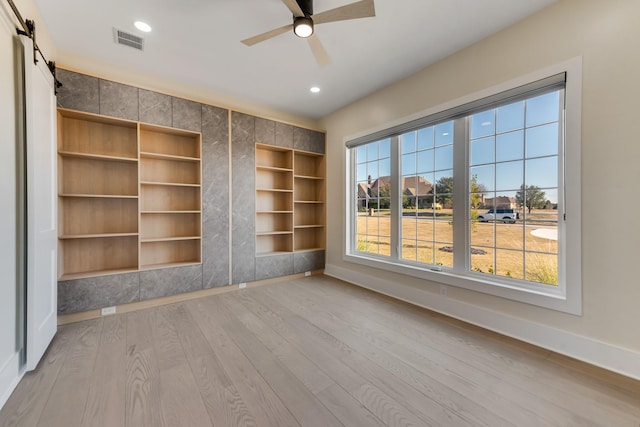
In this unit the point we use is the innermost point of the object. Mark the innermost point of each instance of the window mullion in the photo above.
(461, 196)
(396, 198)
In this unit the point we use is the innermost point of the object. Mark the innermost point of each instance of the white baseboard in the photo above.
(598, 353)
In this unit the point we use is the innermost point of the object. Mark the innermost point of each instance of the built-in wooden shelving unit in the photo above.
(130, 196)
(290, 194)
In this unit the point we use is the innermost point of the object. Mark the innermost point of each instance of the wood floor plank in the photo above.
(349, 369)
(67, 398)
(142, 397)
(427, 384)
(106, 395)
(347, 409)
(300, 401)
(181, 401)
(221, 398)
(265, 405)
(30, 396)
(306, 371)
(344, 406)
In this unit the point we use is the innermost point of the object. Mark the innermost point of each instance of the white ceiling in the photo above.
(197, 42)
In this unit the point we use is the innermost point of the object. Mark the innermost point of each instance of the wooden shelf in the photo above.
(85, 257)
(130, 196)
(97, 157)
(84, 175)
(97, 136)
(274, 212)
(99, 196)
(273, 169)
(168, 265)
(273, 233)
(264, 254)
(158, 171)
(275, 190)
(169, 212)
(310, 249)
(308, 177)
(170, 239)
(288, 182)
(169, 142)
(269, 156)
(92, 236)
(149, 155)
(308, 239)
(170, 252)
(170, 198)
(169, 184)
(87, 274)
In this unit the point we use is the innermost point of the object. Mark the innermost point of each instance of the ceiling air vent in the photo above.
(128, 39)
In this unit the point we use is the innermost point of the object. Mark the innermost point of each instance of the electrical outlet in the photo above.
(242, 285)
(108, 310)
(307, 273)
(443, 290)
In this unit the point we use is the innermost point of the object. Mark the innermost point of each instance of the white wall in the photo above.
(605, 33)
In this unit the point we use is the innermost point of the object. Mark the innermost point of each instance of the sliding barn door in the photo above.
(42, 236)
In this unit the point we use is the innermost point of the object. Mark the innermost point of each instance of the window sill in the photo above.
(539, 295)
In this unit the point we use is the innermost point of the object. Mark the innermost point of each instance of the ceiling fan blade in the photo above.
(360, 9)
(293, 6)
(322, 57)
(265, 36)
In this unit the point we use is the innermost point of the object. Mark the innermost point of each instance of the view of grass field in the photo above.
(509, 250)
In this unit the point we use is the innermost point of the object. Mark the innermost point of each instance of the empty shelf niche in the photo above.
(90, 134)
(96, 256)
(170, 253)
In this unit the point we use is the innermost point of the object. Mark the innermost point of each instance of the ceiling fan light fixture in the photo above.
(303, 26)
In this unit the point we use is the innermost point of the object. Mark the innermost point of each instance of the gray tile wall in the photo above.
(265, 131)
(78, 92)
(155, 108)
(243, 246)
(118, 100)
(284, 135)
(94, 95)
(98, 292)
(274, 266)
(170, 281)
(308, 140)
(307, 261)
(215, 196)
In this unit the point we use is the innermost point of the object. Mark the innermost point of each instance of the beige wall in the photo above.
(605, 33)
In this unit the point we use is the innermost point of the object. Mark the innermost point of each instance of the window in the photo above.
(373, 227)
(427, 194)
(473, 196)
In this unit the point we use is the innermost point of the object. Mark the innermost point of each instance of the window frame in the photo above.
(567, 296)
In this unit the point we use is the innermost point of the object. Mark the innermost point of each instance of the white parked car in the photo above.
(506, 215)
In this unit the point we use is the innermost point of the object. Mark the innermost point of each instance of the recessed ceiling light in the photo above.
(486, 123)
(315, 89)
(142, 26)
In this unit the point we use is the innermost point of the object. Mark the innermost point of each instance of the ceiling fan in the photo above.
(304, 21)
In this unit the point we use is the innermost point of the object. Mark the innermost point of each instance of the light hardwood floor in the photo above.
(309, 352)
